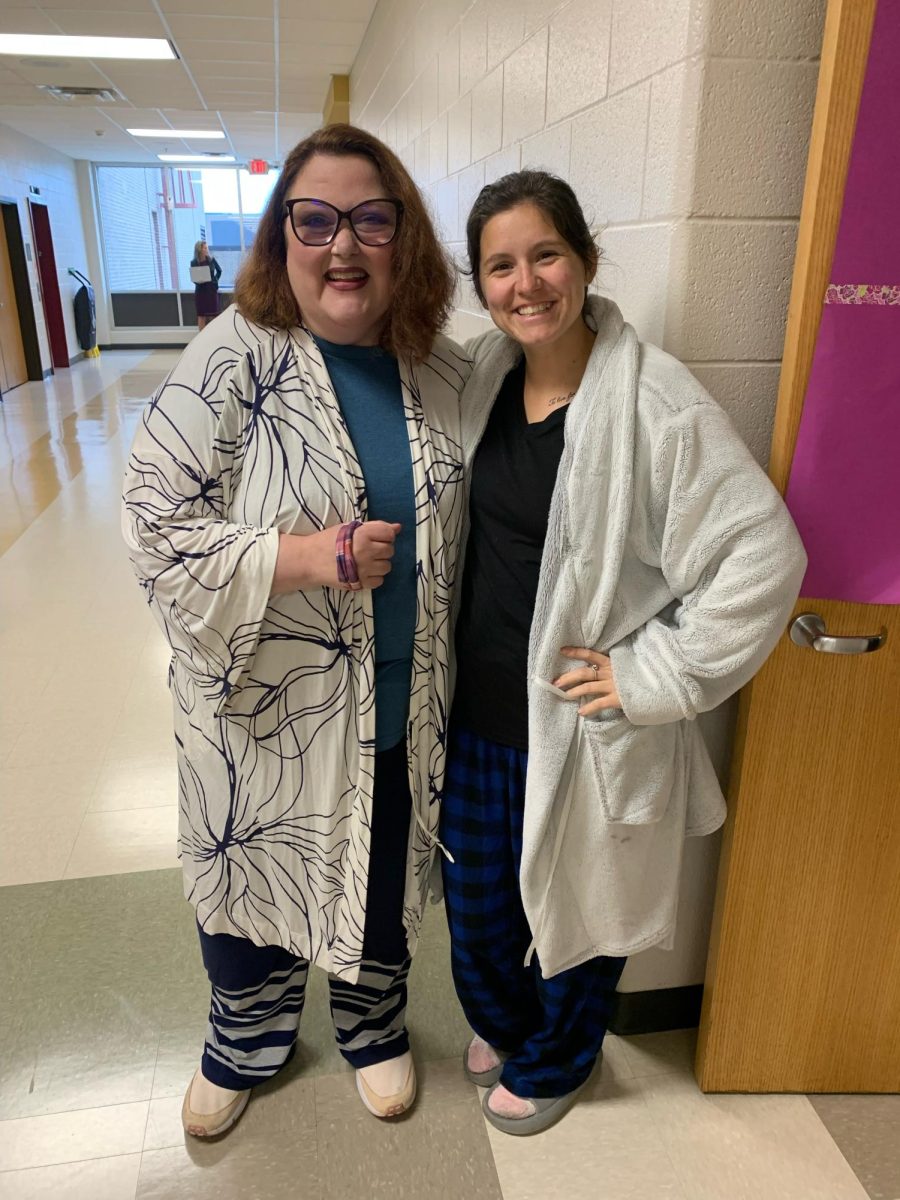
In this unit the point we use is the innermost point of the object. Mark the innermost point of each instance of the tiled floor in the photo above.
(102, 995)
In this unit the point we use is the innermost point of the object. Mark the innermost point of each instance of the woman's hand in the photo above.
(373, 549)
(594, 680)
(310, 560)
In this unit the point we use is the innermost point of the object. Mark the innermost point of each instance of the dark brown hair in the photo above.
(551, 195)
(423, 279)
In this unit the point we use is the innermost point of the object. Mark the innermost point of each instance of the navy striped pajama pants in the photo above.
(551, 1029)
(258, 991)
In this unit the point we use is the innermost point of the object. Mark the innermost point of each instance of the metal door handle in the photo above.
(809, 630)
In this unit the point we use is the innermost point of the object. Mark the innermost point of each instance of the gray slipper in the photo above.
(547, 1112)
(484, 1079)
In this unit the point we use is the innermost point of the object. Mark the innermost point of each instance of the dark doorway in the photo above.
(15, 244)
(43, 242)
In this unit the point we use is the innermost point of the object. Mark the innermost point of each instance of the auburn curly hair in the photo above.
(423, 277)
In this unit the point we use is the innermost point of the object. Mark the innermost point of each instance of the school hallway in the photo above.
(104, 995)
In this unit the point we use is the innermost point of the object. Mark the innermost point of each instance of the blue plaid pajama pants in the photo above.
(258, 991)
(551, 1029)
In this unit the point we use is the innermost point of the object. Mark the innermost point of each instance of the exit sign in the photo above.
(258, 166)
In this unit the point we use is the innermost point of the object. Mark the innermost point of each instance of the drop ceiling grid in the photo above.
(225, 77)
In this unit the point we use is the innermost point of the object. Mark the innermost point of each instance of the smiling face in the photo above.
(344, 290)
(532, 280)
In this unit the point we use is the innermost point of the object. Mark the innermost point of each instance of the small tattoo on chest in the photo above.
(559, 399)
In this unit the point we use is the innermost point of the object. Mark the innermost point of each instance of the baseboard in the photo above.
(656, 1011)
(146, 346)
(48, 372)
(78, 357)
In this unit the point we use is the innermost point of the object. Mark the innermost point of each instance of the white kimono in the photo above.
(274, 696)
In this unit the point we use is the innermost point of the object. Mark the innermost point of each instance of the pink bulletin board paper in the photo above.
(868, 244)
(844, 490)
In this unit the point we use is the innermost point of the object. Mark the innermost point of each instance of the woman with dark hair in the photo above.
(292, 508)
(628, 566)
(206, 273)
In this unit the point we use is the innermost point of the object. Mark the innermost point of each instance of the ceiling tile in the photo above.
(74, 72)
(203, 71)
(323, 33)
(206, 28)
(338, 10)
(109, 6)
(225, 51)
(224, 8)
(226, 74)
(142, 94)
(27, 20)
(99, 23)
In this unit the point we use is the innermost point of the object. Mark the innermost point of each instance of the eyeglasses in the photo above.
(316, 223)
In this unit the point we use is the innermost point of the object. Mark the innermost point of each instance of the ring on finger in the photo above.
(596, 669)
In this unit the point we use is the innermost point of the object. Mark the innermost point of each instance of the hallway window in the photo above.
(150, 220)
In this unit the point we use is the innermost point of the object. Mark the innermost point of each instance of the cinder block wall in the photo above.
(683, 126)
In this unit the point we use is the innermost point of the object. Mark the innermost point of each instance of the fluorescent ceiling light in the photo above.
(207, 158)
(177, 133)
(63, 46)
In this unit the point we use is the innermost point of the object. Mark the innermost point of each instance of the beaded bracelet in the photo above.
(346, 563)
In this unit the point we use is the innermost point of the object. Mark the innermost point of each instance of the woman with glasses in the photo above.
(628, 566)
(206, 273)
(292, 510)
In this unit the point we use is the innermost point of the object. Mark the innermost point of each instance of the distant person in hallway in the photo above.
(293, 507)
(206, 290)
(627, 566)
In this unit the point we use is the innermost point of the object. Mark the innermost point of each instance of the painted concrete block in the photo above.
(607, 169)
(487, 115)
(550, 150)
(525, 89)
(732, 280)
(755, 122)
(647, 36)
(671, 141)
(577, 69)
(766, 28)
(473, 46)
(459, 134)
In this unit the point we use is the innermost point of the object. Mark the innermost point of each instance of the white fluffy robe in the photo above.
(274, 696)
(668, 549)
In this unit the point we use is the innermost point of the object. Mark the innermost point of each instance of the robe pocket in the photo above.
(635, 767)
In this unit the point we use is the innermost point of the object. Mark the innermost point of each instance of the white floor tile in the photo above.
(109, 843)
(735, 1147)
(606, 1146)
(97, 1179)
(72, 1136)
(35, 847)
(661, 1053)
(164, 1126)
(41, 810)
(144, 783)
(81, 737)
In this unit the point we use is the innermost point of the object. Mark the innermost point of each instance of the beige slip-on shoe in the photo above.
(208, 1125)
(388, 1106)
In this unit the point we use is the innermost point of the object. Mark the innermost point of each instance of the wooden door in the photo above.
(803, 981)
(56, 326)
(13, 369)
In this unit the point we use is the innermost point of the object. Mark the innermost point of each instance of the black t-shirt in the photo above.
(513, 477)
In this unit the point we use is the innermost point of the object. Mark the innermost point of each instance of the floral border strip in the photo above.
(862, 293)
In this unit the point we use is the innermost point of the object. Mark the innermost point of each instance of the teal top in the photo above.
(366, 380)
